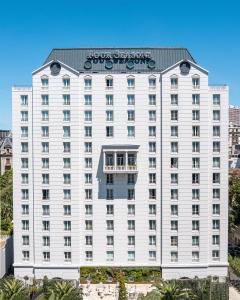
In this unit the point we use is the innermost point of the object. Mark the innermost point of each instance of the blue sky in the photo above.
(30, 29)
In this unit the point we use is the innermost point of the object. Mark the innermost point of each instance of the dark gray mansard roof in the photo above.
(162, 58)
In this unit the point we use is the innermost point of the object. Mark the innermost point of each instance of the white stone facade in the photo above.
(172, 230)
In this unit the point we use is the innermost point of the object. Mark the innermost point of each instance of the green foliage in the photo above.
(13, 289)
(64, 290)
(234, 263)
(122, 294)
(234, 201)
(6, 202)
(154, 295)
(102, 274)
(170, 290)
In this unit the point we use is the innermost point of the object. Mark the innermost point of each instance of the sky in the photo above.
(30, 29)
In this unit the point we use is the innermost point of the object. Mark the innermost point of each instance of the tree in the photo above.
(64, 290)
(234, 201)
(13, 289)
(122, 288)
(169, 290)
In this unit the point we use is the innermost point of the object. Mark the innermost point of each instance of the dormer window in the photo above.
(196, 82)
(109, 82)
(131, 82)
(66, 81)
(44, 81)
(174, 82)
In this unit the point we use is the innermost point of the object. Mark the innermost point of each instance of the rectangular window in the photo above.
(46, 241)
(131, 194)
(88, 240)
(216, 162)
(110, 255)
(66, 194)
(25, 255)
(24, 116)
(110, 240)
(174, 162)
(152, 147)
(66, 82)
(24, 131)
(152, 178)
(88, 147)
(88, 162)
(131, 209)
(195, 225)
(216, 224)
(174, 225)
(67, 225)
(45, 99)
(174, 178)
(45, 115)
(152, 194)
(66, 162)
(88, 209)
(88, 178)
(174, 147)
(66, 178)
(67, 210)
(25, 194)
(196, 82)
(215, 255)
(152, 255)
(174, 210)
(152, 99)
(174, 115)
(24, 163)
(195, 99)
(152, 225)
(195, 240)
(152, 131)
(196, 162)
(216, 131)
(25, 240)
(45, 131)
(195, 209)
(88, 194)
(45, 178)
(152, 162)
(131, 131)
(110, 209)
(131, 179)
(216, 240)
(130, 82)
(46, 225)
(88, 83)
(88, 225)
(195, 194)
(88, 115)
(46, 256)
(131, 224)
(196, 131)
(152, 209)
(109, 83)
(174, 131)
(109, 179)
(110, 224)
(152, 240)
(216, 178)
(152, 82)
(174, 99)
(66, 147)
(196, 115)
(89, 255)
(109, 131)
(109, 115)
(109, 194)
(67, 256)
(88, 131)
(25, 209)
(109, 99)
(131, 255)
(174, 240)
(174, 256)
(195, 178)
(44, 82)
(88, 99)
(131, 115)
(66, 116)
(131, 240)
(45, 210)
(24, 99)
(45, 163)
(152, 115)
(66, 99)
(216, 194)
(174, 194)
(174, 82)
(216, 99)
(25, 225)
(195, 147)
(45, 194)
(66, 131)
(195, 256)
(131, 99)
(216, 115)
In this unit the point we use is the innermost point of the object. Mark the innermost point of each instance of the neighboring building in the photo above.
(6, 153)
(6, 254)
(4, 133)
(234, 145)
(120, 159)
(234, 115)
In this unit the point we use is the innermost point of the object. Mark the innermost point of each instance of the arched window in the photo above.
(196, 81)
(109, 82)
(44, 81)
(152, 81)
(88, 82)
(174, 81)
(66, 81)
(131, 82)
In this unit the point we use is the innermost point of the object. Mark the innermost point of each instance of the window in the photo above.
(152, 225)
(195, 256)
(152, 147)
(45, 210)
(152, 194)
(174, 162)
(174, 131)
(45, 99)
(131, 179)
(25, 240)
(46, 256)
(131, 194)
(131, 225)
(174, 194)
(152, 99)
(67, 256)
(152, 209)
(109, 131)
(88, 225)
(131, 240)
(110, 224)
(110, 255)
(66, 82)
(88, 131)
(89, 255)
(174, 256)
(195, 240)
(88, 99)
(46, 241)
(216, 240)
(25, 255)
(174, 178)
(195, 147)
(152, 240)
(88, 209)
(46, 225)
(110, 194)
(109, 83)
(109, 178)
(152, 82)
(216, 193)
(195, 162)
(216, 224)
(88, 83)
(215, 255)
(216, 147)
(45, 178)
(195, 209)
(45, 194)
(66, 115)
(152, 255)
(195, 225)
(25, 225)
(216, 99)
(216, 209)
(131, 209)
(66, 131)
(152, 162)
(66, 194)
(195, 178)
(67, 225)
(174, 225)
(174, 147)
(174, 210)
(66, 99)
(110, 240)
(45, 131)
(131, 255)
(195, 194)
(131, 115)
(196, 82)
(216, 162)
(174, 82)
(216, 178)
(152, 178)
(174, 115)
(88, 162)
(195, 99)
(88, 147)
(88, 194)
(44, 81)
(24, 99)
(196, 131)
(67, 210)
(130, 82)
(216, 115)
(88, 115)
(66, 162)
(152, 131)
(45, 163)
(174, 240)
(216, 131)
(24, 131)
(66, 147)
(195, 115)
(174, 99)
(152, 115)
(25, 194)
(88, 240)
(109, 99)
(131, 131)
(45, 147)
(110, 209)
(25, 209)
(24, 163)
(109, 115)
(131, 99)
(24, 116)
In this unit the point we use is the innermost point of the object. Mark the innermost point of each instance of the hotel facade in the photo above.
(120, 159)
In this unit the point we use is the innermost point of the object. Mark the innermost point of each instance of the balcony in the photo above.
(120, 158)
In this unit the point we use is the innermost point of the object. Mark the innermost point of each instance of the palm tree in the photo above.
(169, 290)
(64, 290)
(13, 289)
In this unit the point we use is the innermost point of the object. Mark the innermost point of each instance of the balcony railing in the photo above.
(121, 169)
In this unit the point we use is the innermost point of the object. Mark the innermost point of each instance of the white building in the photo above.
(120, 159)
